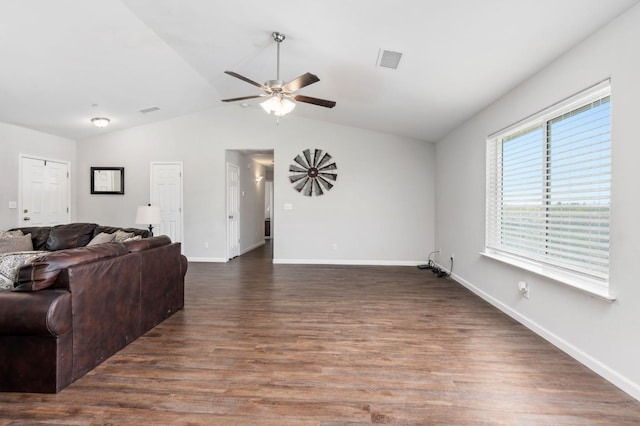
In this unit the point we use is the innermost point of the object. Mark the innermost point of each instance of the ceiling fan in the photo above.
(280, 94)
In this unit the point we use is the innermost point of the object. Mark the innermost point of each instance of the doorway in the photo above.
(44, 192)
(247, 191)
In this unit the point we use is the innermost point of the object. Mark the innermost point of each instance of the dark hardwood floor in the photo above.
(330, 345)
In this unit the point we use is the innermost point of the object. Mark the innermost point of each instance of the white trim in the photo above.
(226, 209)
(619, 380)
(540, 250)
(579, 282)
(349, 262)
(569, 103)
(207, 259)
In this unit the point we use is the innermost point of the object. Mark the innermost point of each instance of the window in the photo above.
(548, 190)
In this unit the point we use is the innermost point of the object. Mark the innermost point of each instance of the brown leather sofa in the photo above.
(73, 308)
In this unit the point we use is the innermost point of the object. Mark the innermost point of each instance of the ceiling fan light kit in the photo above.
(279, 105)
(281, 95)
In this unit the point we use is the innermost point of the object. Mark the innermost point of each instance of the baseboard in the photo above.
(349, 262)
(598, 367)
(207, 259)
(253, 247)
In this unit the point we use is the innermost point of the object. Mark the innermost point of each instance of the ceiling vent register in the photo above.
(389, 59)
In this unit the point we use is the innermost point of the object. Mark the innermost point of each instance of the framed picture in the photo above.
(107, 180)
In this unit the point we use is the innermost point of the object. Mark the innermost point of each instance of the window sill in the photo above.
(589, 286)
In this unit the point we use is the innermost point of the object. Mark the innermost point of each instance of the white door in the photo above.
(233, 210)
(166, 192)
(44, 192)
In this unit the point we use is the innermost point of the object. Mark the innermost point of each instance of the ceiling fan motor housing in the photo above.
(280, 89)
(274, 85)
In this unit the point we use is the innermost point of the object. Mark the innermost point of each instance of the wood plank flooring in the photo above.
(330, 345)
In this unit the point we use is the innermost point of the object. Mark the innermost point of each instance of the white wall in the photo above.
(381, 210)
(602, 335)
(15, 141)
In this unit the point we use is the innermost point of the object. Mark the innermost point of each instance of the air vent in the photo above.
(389, 59)
(150, 109)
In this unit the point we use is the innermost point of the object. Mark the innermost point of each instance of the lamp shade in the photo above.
(148, 215)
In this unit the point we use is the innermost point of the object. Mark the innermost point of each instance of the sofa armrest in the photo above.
(135, 246)
(43, 272)
(45, 313)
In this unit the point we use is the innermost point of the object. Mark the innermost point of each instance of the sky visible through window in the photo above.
(535, 173)
(555, 187)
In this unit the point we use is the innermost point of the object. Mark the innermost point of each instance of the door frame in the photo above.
(151, 200)
(21, 157)
(226, 202)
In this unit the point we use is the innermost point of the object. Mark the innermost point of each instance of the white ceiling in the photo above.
(66, 61)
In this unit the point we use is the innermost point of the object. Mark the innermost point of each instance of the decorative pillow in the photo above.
(136, 238)
(9, 234)
(70, 235)
(120, 236)
(11, 262)
(14, 244)
(101, 238)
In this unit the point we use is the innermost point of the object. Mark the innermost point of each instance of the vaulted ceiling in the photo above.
(66, 61)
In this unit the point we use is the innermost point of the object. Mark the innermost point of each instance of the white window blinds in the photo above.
(548, 187)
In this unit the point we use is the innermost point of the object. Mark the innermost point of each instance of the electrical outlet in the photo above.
(452, 256)
(206, 244)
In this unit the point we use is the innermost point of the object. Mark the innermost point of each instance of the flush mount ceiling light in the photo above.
(100, 121)
(280, 95)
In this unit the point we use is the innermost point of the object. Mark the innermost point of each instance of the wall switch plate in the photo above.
(13, 204)
(288, 206)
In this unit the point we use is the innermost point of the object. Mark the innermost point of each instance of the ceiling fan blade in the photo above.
(300, 82)
(314, 101)
(243, 98)
(245, 79)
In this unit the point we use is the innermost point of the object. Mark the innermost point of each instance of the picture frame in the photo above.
(107, 180)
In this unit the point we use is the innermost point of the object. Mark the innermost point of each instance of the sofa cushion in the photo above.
(43, 272)
(15, 244)
(70, 235)
(101, 238)
(10, 263)
(112, 229)
(120, 236)
(39, 235)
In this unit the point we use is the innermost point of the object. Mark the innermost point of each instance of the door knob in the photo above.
(26, 218)
(230, 217)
